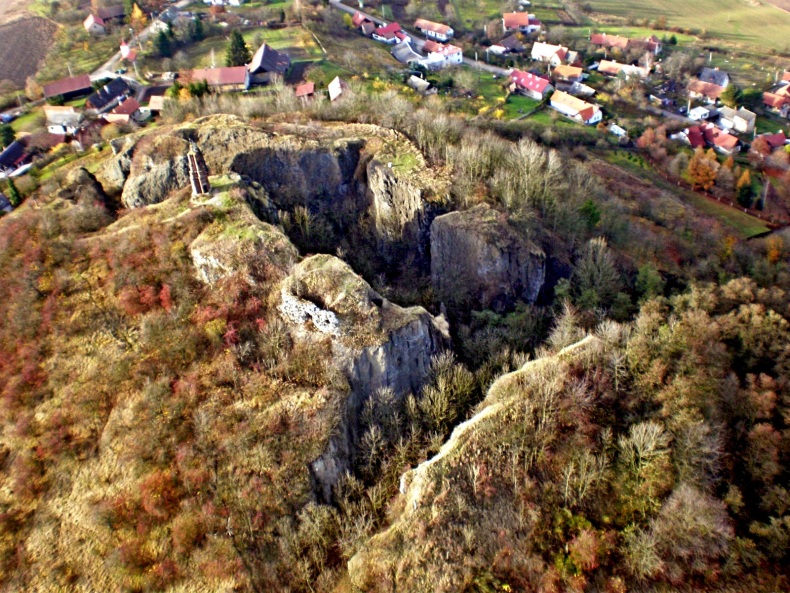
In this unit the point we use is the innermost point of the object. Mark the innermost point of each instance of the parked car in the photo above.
(121, 71)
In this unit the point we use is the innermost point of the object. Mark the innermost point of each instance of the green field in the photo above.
(737, 21)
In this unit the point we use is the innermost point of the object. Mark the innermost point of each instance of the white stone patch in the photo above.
(300, 311)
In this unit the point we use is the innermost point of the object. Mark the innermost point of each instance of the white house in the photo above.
(433, 30)
(575, 108)
(390, 34)
(440, 55)
(552, 54)
(62, 120)
(522, 22)
(741, 121)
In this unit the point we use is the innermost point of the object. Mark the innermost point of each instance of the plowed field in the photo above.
(23, 44)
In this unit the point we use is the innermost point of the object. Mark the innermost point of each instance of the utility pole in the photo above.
(69, 68)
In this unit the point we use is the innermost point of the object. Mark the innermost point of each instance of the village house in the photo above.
(720, 140)
(435, 31)
(440, 55)
(62, 120)
(551, 54)
(521, 22)
(653, 44)
(610, 41)
(707, 91)
(715, 76)
(69, 88)
(692, 136)
(511, 44)
(390, 34)
(267, 62)
(125, 112)
(94, 25)
(575, 108)
(701, 113)
(567, 73)
(226, 79)
(610, 68)
(531, 85)
(363, 23)
(774, 141)
(742, 120)
(777, 103)
(108, 96)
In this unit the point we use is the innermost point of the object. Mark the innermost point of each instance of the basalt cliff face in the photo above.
(359, 178)
(477, 257)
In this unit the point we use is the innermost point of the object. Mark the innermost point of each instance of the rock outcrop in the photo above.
(354, 176)
(375, 343)
(477, 258)
(469, 477)
(80, 186)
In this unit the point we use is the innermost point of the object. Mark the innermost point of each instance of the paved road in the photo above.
(418, 43)
(107, 70)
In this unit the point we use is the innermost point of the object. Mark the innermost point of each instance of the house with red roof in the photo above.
(707, 91)
(777, 103)
(786, 77)
(720, 140)
(305, 91)
(575, 108)
(391, 34)
(774, 140)
(610, 41)
(94, 25)
(521, 22)
(531, 85)
(433, 30)
(548, 53)
(124, 112)
(692, 136)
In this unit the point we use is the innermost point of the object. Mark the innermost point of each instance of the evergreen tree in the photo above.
(7, 135)
(162, 45)
(13, 194)
(196, 30)
(731, 96)
(238, 53)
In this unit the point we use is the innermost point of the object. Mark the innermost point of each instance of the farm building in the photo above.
(405, 54)
(94, 25)
(156, 103)
(521, 22)
(110, 13)
(266, 62)
(69, 88)
(531, 85)
(108, 96)
(741, 121)
(432, 30)
(390, 34)
(234, 78)
(418, 84)
(575, 108)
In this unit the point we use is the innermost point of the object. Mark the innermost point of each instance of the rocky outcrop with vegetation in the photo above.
(478, 258)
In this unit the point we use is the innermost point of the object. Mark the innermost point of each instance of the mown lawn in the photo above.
(756, 24)
(518, 105)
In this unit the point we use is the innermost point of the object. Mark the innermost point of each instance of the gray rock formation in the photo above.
(80, 186)
(477, 258)
(381, 345)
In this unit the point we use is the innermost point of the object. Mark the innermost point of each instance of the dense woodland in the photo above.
(657, 462)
